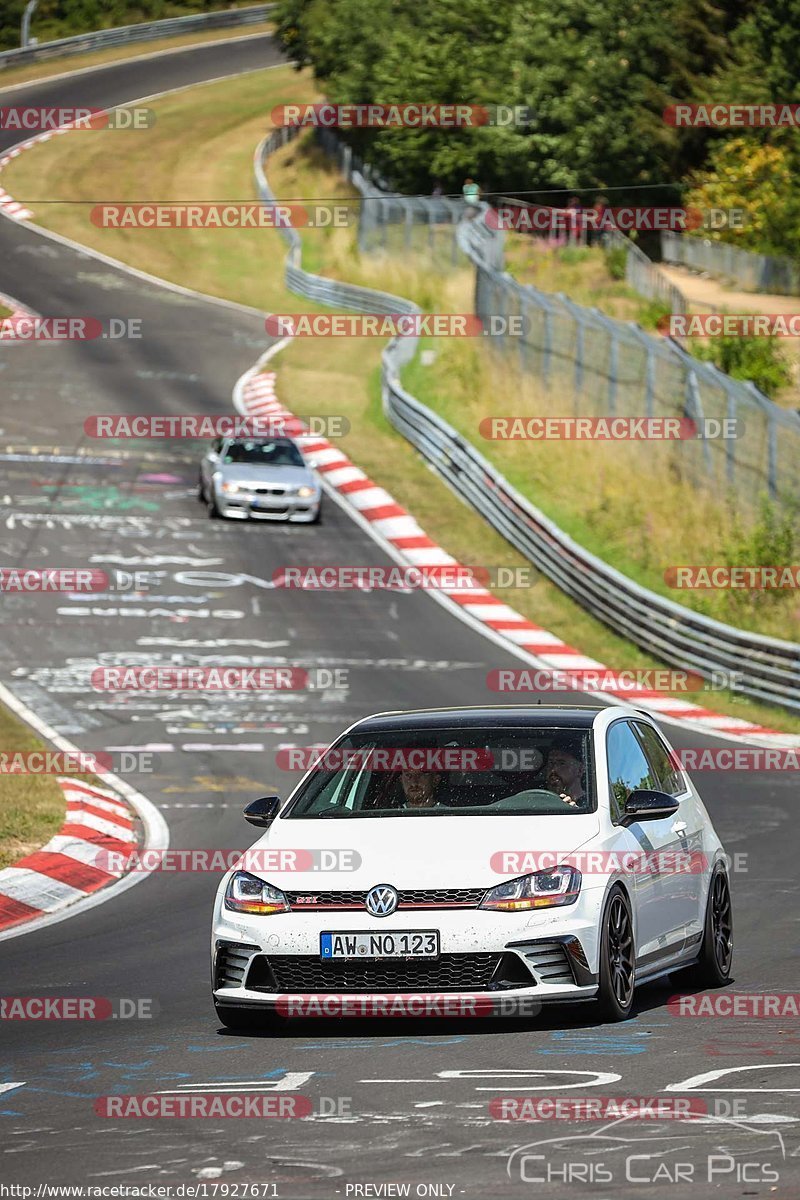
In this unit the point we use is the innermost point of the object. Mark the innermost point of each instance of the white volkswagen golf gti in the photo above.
(501, 856)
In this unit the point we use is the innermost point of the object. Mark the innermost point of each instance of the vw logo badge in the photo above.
(381, 900)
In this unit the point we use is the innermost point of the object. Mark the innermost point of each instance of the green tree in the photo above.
(596, 75)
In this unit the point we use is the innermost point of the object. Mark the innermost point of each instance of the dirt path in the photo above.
(705, 294)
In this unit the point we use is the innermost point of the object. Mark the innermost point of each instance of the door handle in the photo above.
(679, 827)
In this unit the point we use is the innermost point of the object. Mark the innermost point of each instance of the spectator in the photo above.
(576, 225)
(597, 227)
(472, 195)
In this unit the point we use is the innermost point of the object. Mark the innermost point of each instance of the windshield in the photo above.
(451, 772)
(276, 454)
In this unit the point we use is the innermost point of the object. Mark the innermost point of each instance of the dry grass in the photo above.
(32, 807)
(617, 499)
(579, 272)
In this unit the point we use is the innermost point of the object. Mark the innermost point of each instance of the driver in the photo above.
(420, 788)
(563, 772)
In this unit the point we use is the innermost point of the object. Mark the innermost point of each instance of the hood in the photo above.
(419, 852)
(265, 473)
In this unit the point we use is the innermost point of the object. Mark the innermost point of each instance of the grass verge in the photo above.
(342, 375)
(31, 806)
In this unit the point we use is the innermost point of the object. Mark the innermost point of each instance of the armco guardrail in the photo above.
(764, 668)
(124, 34)
(754, 272)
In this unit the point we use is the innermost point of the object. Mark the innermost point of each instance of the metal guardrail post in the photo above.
(732, 410)
(25, 30)
(694, 408)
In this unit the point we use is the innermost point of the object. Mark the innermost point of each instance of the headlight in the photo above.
(247, 894)
(231, 487)
(306, 491)
(545, 889)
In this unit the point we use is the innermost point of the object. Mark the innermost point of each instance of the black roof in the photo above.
(517, 716)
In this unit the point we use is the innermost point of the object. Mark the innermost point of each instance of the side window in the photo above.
(628, 769)
(668, 772)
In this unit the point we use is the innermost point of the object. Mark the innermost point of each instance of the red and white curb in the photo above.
(8, 324)
(255, 395)
(64, 871)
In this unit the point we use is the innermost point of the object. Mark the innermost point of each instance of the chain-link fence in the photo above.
(602, 366)
(753, 272)
(597, 365)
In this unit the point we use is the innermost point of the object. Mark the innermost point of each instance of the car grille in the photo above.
(268, 491)
(231, 963)
(550, 962)
(306, 973)
(417, 898)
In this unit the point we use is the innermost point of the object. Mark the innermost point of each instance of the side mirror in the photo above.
(262, 812)
(643, 805)
(312, 464)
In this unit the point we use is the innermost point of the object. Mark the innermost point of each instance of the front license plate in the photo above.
(411, 943)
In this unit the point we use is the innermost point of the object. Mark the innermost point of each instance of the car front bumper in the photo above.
(270, 508)
(517, 960)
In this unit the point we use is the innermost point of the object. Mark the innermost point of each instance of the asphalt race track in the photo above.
(403, 1102)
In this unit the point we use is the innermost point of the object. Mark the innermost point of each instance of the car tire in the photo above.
(213, 512)
(244, 1020)
(617, 960)
(201, 491)
(713, 967)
